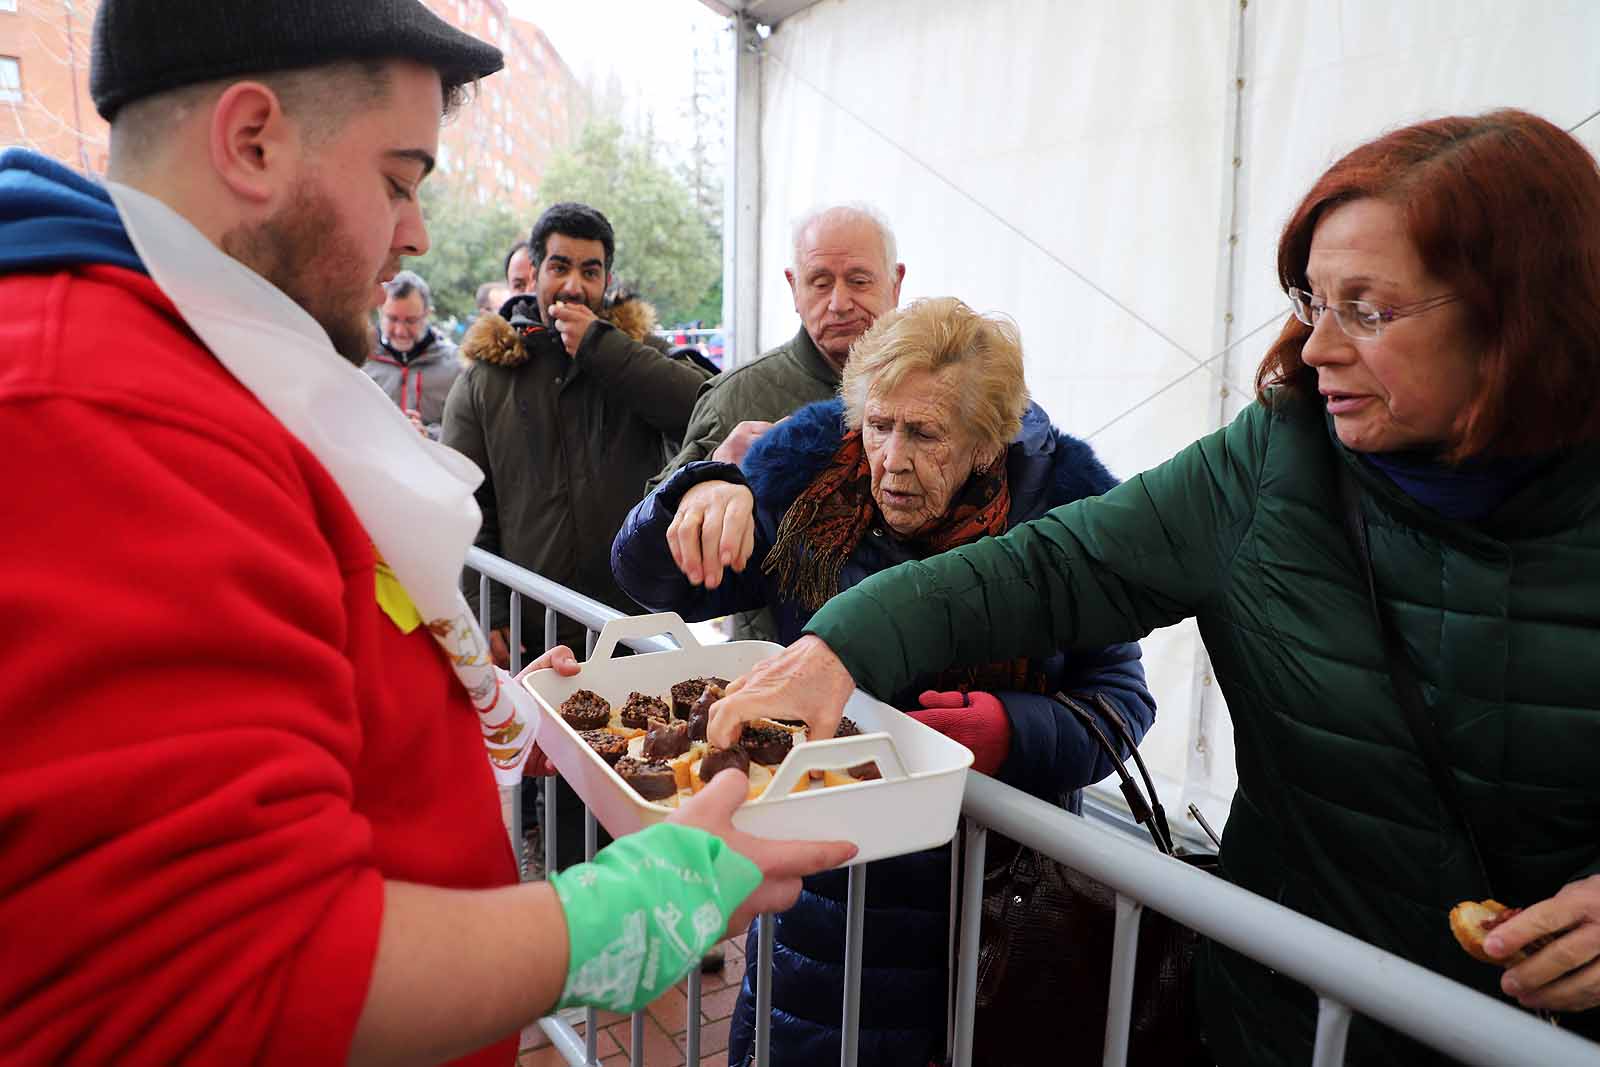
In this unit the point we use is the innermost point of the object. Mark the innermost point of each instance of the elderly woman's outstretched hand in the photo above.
(804, 681)
(714, 527)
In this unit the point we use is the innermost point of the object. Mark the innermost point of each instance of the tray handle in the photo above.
(662, 622)
(834, 753)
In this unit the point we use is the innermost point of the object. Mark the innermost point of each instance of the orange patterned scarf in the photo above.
(828, 520)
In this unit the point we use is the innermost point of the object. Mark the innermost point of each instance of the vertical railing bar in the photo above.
(1119, 1001)
(483, 604)
(764, 941)
(691, 1051)
(515, 639)
(549, 825)
(855, 912)
(589, 842)
(1333, 1028)
(549, 629)
(971, 912)
(519, 843)
(563, 1037)
(951, 933)
(636, 1054)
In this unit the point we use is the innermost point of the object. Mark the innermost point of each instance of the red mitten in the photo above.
(977, 720)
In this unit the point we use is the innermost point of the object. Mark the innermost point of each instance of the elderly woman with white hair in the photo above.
(933, 444)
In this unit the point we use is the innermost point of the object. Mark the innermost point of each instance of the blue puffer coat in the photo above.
(904, 963)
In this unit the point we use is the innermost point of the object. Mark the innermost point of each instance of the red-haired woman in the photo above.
(1435, 397)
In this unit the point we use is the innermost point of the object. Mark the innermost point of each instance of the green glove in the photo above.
(644, 911)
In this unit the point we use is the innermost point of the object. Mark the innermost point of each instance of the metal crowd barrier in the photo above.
(1349, 976)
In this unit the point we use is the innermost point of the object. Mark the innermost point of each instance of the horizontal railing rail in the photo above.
(1348, 975)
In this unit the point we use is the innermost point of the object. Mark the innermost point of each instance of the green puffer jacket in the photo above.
(1334, 814)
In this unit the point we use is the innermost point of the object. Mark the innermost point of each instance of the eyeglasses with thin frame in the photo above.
(409, 321)
(1361, 320)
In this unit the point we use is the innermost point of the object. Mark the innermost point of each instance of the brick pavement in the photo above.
(665, 1024)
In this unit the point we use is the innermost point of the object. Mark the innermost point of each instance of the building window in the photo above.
(8, 5)
(10, 79)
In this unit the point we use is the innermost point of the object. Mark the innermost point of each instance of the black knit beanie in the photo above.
(149, 46)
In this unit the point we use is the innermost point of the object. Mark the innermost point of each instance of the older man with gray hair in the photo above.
(844, 276)
(414, 364)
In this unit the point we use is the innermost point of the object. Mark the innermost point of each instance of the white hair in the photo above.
(857, 210)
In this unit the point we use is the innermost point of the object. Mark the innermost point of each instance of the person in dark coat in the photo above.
(934, 444)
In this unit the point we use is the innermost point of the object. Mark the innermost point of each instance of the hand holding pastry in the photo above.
(1552, 950)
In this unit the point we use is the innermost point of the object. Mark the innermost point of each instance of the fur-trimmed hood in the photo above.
(1046, 468)
(492, 339)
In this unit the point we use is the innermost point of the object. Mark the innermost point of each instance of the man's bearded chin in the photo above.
(305, 253)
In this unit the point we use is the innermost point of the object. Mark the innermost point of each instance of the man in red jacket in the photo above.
(258, 822)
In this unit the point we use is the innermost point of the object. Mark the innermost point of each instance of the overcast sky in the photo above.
(647, 43)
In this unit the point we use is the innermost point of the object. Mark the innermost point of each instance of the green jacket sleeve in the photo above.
(1103, 570)
(706, 431)
(661, 390)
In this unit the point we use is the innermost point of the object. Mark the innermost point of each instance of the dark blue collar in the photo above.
(53, 218)
(1470, 492)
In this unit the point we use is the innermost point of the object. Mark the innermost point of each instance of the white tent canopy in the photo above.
(1114, 177)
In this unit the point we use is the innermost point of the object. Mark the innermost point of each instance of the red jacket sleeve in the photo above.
(183, 878)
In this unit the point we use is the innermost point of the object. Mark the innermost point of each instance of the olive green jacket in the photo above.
(1334, 815)
(767, 389)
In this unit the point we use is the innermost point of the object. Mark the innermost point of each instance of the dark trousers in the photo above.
(569, 821)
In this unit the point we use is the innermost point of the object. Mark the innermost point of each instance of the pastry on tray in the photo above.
(686, 692)
(611, 745)
(664, 740)
(653, 780)
(767, 744)
(586, 710)
(640, 708)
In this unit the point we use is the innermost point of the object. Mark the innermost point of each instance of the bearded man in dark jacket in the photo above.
(568, 414)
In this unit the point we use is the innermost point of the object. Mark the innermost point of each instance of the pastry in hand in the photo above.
(1471, 921)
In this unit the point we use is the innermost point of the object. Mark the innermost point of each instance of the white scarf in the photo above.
(413, 495)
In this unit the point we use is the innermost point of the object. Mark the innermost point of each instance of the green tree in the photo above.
(665, 249)
(468, 243)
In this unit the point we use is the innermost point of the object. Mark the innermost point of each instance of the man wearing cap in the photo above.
(413, 363)
(261, 825)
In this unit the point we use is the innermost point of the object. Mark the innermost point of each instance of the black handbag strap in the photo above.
(1401, 672)
(1115, 718)
(1143, 812)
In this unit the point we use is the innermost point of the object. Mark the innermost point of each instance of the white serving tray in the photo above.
(915, 805)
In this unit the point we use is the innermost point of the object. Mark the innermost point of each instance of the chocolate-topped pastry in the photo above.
(653, 780)
(640, 709)
(766, 744)
(664, 740)
(686, 692)
(710, 693)
(867, 772)
(700, 710)
(586, 710)
(720, 759)
(847, 727)
(611, 747)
